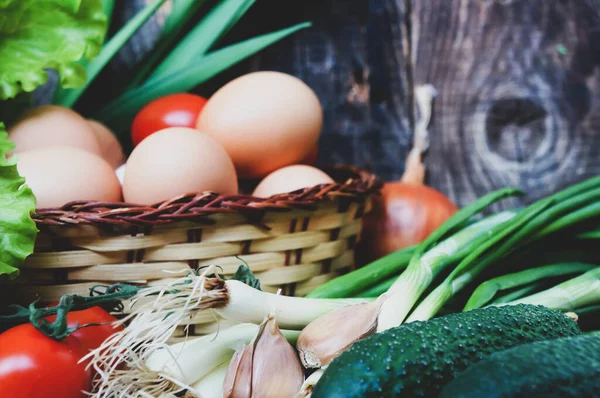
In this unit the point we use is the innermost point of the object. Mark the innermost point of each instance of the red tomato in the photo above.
(175, 110)
(91, 337)
(35, 366)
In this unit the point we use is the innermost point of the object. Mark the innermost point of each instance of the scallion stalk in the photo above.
(377, 290)
(486, 292)
(425, 266)
(471, 265)
(581, 291)
(531, 227)
(518, 293)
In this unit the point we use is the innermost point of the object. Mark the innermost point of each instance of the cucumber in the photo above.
(418, 359)
(567, 368)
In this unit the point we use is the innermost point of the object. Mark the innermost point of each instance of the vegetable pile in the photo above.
(474, 289)
(455, 305)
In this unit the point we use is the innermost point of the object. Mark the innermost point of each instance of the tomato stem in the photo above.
(108, 297)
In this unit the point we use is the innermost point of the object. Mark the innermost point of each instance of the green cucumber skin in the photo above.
(564, 368)
(418, 359)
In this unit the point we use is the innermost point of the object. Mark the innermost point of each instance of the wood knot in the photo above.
(515, 128)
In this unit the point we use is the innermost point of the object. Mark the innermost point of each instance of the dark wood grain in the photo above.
(518, 83)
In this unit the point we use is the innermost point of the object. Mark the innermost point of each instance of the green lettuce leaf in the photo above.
(17, 230)
(40, 34)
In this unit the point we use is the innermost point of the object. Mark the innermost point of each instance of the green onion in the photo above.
(202, 37)
(581, 291)
(378, 290)
(463, 216)
(518, 293)
(107, 9)
(554, 210)
(68, 97)
(489, 289)
(177, 19)
(354, 282)
(119, 113)
(421, 271)
(472, 265)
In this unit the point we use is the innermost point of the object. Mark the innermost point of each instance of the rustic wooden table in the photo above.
(517, 81)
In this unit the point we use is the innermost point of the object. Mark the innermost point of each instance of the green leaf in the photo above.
(245, 275)
(17, 202)
(35, 35)
(178, 18)
(119, 113)
(199, 40)
(69, 97)
(107, 9)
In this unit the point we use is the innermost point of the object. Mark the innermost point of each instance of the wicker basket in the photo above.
(293, 241)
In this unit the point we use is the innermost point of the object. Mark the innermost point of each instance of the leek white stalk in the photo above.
(191, 360)
(211, 385)
(246, 304)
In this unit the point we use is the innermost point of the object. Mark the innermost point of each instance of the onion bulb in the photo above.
(407, 211)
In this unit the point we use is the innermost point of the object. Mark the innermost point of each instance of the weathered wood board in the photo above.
(518, 83)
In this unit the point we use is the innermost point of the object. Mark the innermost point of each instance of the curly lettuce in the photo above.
(40, 34)
(17, 230)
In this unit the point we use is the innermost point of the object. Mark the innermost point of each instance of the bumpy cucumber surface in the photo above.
(567, 368)
(419, 358)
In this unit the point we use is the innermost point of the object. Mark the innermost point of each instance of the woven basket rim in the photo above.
(352, 184)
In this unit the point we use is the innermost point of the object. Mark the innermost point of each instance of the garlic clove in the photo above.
(329, 335)
(277, 371)
(268, 367)
(238, 380)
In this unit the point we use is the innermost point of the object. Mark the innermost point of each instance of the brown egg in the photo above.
(110, 148)
(50, 126)
(289, 179)
(265, 121)
(176, 161)
(59, 175)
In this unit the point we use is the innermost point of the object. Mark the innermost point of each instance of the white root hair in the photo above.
(156, 311)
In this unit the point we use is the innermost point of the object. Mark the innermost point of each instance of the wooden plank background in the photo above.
(518, 84)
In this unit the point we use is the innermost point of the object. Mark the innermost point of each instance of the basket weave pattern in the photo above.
(293, 241)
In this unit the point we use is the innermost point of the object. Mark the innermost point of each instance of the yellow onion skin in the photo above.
(403, 215)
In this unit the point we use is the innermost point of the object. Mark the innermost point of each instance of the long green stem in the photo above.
(177, 20)
(462, 216)
(581, 291)
(472, 265)
(68, 97)
(202, 36)
(518, 293)
(486, 292)
(377, 290)
(539, 215)
(354, 282)
(421, 271)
